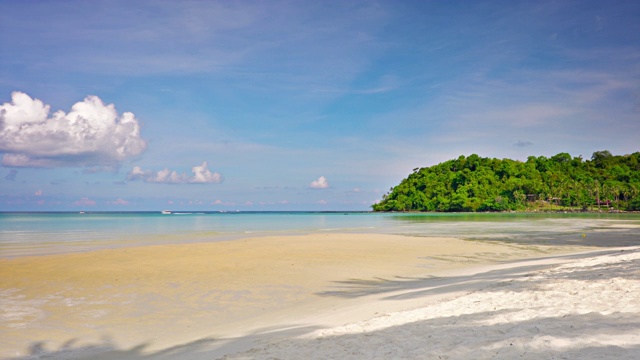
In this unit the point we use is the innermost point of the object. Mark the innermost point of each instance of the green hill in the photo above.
(560, 182)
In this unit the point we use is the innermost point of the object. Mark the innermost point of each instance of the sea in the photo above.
(44, 233)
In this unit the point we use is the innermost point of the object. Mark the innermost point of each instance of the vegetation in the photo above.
(560, 182)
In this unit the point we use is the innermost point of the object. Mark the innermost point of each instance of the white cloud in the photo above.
(320, 183)
(201, 175)
(136, 173)
(91, 134)
(168, 176)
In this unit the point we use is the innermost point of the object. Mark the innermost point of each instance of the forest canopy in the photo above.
(560, 182)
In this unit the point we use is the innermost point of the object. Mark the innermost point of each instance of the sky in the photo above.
(298, 105)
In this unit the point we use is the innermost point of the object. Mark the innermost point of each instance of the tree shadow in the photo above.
(480, 335)
(205, 348)
(526, 229)
(407, 288)
(473, 336)
(601, 239)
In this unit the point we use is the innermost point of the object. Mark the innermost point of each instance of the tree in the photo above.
(601, 158)
(482, 184)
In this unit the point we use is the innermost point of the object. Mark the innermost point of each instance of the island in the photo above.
(559, 183)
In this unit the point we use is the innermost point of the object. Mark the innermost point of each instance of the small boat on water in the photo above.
(166, 212)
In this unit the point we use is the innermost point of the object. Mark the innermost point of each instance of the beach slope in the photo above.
(587, 307)
(341, 296)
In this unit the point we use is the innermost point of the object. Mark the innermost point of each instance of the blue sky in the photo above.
(298, 105)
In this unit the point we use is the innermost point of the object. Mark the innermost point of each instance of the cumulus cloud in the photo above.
(201, 175)
(320, 183)
(91, 134)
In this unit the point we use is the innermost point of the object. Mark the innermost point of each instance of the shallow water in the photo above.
(48, 233)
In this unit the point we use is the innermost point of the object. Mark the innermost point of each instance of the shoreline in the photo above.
(26, 235)
(527, 211)
(110, 302)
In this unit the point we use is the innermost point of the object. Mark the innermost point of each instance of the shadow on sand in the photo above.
(406, 288)
(455, 337)
(466, 337)
(477, 335)
(206, 348)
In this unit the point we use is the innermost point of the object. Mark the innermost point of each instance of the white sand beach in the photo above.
(341, 296)
(585, 308)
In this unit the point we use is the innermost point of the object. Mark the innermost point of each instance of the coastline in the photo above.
(215, 299)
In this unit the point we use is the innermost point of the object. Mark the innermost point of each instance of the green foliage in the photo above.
(483, 184)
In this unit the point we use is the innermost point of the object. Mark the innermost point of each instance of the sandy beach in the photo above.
(324, 296)
(586, 308)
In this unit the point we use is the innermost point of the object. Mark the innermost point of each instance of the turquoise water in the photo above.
(47, 233)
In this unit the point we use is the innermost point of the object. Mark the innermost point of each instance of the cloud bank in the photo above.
(201, 175)
(91, 134)
(320, 183)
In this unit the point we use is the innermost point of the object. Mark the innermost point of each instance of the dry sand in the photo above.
(290, 297)
(587, 308)
(583, 309)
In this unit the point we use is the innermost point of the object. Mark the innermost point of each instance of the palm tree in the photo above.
(625, 194)
(596, 189)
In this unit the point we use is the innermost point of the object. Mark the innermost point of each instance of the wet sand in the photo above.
(201, 299)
